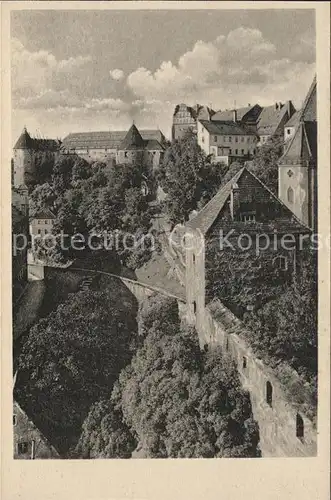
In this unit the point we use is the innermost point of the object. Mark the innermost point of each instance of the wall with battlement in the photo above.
(279, 420)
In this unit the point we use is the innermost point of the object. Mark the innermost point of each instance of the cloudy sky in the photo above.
(99, 70)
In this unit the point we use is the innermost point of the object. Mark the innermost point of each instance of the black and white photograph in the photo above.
(165, 235)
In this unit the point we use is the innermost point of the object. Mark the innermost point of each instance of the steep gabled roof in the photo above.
(24, 141)
(308, 112)
(133, 139)
(225, 128)
(302, 148)
(204, 220)
(272, 116)
(208, 214)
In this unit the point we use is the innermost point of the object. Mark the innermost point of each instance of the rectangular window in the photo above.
(242, 151)
(22, 448)
(236, 139)
(242, 139)
(236, 151)
(215, 138)
(248, 139)
(230, 139)
(230, 151)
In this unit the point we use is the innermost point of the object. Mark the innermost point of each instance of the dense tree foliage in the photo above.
(187, 177)
(72, 358)
(97, 199)
(175, 400)
(104, 434)
(265, 162)
(285, 328)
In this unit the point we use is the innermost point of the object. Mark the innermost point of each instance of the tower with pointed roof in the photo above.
(23, 158)
(132, 147)
(297, 171)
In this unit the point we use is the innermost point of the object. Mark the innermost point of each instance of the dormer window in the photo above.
(247, 217)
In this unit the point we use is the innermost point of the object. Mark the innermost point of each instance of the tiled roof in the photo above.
(208, 214)
(228, 114)
(105, 140)
(44, 214)
(272, 116)
(225, 128)
(206, 217)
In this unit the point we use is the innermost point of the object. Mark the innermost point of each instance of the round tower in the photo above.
(23, 158)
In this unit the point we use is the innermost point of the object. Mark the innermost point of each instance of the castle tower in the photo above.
(297, 168)
(22, 158)
(132, 148)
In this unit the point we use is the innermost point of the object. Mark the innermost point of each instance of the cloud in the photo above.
(116, 74)
(240, 63)
(39, 75)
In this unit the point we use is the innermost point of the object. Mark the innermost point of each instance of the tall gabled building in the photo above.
(297, 172)
(243, 206)
(186, 117)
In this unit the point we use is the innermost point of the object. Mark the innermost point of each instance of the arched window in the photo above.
(194, 307)
(227, 343)
(193, 258)
(299, 427)
(269, 393)
(244, 362)
(290, 195)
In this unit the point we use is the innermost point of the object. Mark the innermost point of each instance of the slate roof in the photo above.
(271, 117)
(225, 128)
(106, 140)
(302, 148)
(308, 112)
(24, 141)
(203, 221)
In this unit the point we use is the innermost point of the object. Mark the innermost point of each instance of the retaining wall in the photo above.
(279, 421)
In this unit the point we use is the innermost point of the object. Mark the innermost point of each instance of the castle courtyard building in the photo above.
(226, 141)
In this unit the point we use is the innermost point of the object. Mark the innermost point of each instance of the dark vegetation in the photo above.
(96, 199)
(71, 358)
(172, 400)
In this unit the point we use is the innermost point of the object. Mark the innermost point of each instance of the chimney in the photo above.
(234, 115)
(234, 200)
